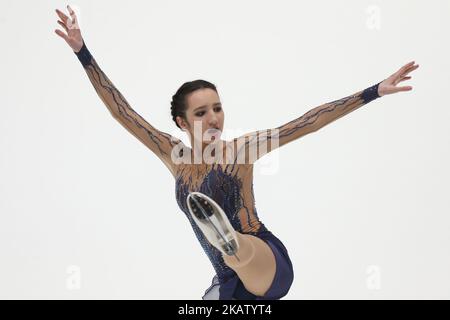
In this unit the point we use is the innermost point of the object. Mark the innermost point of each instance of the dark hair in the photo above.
(178, 103)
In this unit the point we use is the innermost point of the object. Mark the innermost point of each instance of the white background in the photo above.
(362, 205)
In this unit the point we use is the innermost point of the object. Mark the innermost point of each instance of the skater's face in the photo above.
(204, 116)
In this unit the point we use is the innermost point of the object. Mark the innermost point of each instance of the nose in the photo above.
(213, 121)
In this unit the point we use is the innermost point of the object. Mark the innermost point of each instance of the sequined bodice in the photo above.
(231, 186)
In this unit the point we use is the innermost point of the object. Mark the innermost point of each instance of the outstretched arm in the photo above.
(259, 143)
(159, 142)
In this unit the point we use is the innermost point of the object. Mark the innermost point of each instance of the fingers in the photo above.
(402, 70)
(62, 16)
(61, 34)
(69, 23)
(409, 64)
(401, 75)
(404, 78)
(410, 69)
(407, 88)
(72, 14)
(63, 25)
(407, 68)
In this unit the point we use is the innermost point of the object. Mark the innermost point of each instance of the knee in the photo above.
(284, 284)
(288, 283)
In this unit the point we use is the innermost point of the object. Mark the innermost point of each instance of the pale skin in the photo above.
(257, 265)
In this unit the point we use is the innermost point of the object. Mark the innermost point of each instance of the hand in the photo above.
(73, 36)
(389, 85)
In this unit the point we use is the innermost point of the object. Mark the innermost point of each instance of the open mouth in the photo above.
(213, 132)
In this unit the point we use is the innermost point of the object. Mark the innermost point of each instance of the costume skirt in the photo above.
(232, 287)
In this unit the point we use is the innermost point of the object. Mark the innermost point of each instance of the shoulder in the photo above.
(240, 153)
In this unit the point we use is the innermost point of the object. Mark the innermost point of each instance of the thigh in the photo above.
(284, 274)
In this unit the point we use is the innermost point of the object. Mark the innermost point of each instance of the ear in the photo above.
(182, 123)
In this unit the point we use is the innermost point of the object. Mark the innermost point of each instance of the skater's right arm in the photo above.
(159, 142)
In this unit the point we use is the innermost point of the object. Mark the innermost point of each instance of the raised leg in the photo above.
(257, 264)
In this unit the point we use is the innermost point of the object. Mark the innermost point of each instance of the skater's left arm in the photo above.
(265, 141)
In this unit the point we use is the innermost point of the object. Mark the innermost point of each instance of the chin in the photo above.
(213, 141)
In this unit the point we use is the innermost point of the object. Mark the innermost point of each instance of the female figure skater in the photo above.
(250, 262)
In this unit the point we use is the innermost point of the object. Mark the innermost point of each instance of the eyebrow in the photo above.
(215, 104)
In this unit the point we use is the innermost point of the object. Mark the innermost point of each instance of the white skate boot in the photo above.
(213, 222)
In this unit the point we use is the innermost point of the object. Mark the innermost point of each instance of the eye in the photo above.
(199, 114)
(218, 109)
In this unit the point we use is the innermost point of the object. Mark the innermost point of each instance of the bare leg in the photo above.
(257, 265)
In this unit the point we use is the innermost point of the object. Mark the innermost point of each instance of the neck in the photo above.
(198, 149)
